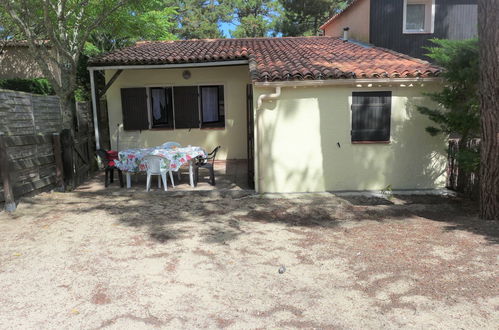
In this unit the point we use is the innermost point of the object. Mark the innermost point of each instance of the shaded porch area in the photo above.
(229, 175)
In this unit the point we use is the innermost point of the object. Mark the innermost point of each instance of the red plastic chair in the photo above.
(108, 160)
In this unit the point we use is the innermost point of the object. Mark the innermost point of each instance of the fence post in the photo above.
(59, 167)
(67, 157)
(10, 203)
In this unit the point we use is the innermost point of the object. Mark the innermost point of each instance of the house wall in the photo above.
(454, 19)
(303, 144)
(232, 138)
(356, 18)
(15, 62)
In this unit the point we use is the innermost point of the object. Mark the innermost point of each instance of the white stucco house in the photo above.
(311, 114)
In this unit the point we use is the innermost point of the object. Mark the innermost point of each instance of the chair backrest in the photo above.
(102, 154)
(212, 155)
(169, 145)
(209, 157)
(153, 164)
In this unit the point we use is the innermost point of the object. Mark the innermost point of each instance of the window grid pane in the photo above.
(210, 106)
(371, 116)
(415, 17)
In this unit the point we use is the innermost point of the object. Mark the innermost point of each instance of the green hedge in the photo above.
(36, 85)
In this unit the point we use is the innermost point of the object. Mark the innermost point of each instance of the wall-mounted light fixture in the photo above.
(186, 74)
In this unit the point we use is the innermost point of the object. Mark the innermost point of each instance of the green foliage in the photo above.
(255, 17)
(387, 192)
(143, 20)
(199, 19)
(468, 159)
(304, 17)
(36, 85)
(457, 111)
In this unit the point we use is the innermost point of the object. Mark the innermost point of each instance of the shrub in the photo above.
(36, 85)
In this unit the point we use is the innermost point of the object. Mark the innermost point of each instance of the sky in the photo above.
(226, 27)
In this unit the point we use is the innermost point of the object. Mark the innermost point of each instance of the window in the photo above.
(418, 16)
(212, 106)
(173, 107)
(161, 107)
(371, 112)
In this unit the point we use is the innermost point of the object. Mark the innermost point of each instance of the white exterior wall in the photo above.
(298, 135)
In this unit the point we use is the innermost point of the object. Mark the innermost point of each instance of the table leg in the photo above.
(128, 180)
(191, 174)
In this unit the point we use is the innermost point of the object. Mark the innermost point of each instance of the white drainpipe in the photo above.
(271, 96)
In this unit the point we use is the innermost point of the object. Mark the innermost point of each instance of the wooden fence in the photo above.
(461, 181)
(27, 159)
(38, 168)
(35, 153)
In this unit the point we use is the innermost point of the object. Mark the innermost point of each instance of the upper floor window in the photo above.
(419, 16)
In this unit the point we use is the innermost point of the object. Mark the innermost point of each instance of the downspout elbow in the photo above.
(271, 96)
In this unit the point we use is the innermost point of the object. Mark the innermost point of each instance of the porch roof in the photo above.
(277, 59)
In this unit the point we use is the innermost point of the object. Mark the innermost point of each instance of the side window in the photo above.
(212, 106)
(418, 16)
(134, 108)
(371, 112)
(161, 107)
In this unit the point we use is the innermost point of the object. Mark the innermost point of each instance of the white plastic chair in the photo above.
(169, 145)
(153, 165)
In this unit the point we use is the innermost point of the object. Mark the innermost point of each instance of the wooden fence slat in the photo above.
(59, 171)
(31, 162)
(469, 181)
(67, 157)
(12, 141)
(31, 186)
(10, 203)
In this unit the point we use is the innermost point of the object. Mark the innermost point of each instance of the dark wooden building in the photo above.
(406, 26)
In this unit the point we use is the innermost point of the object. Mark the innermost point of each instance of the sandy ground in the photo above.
(131, 260)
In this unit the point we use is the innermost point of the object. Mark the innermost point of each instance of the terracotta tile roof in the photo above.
(351, 5)
(271, 59)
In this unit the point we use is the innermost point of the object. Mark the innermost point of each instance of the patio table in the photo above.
(130, 160)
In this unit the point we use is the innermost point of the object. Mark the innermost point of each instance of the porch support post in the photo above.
(94, 109)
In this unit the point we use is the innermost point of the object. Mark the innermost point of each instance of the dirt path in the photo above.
(135, 260)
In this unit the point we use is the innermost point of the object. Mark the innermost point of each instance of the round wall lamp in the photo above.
(186, 74)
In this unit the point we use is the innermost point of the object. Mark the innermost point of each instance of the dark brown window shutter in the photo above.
(134, 107)
(186, 106)
(371, 113)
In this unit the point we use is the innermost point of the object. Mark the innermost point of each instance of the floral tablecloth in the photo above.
(130, 160)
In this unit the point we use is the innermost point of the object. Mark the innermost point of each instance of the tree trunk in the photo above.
(488, 34)
(68, 108)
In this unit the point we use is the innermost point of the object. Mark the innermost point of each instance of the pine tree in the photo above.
(255, 17)
(199, 19)
(304, 17)
(488, 16)
(458, 100)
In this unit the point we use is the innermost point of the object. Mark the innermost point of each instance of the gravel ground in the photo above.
(131, 260)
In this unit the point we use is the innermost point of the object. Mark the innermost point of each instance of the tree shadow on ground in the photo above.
(219, 217)
(458, 213)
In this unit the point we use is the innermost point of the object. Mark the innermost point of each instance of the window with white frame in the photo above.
(419, 16)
